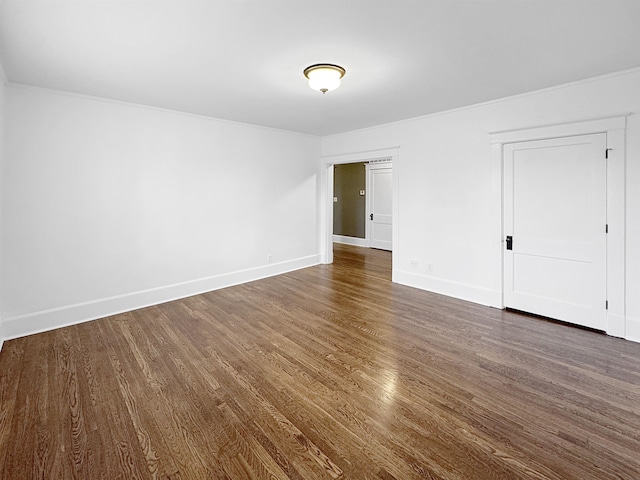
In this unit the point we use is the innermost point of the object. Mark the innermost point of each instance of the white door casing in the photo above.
(326, 198)
(554, 224)
(617, 323)
(379, 221)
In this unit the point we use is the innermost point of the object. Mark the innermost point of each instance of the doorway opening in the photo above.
(363, 204)
(350, 195)
(380, 175)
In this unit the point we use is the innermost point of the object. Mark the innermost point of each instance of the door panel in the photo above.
(379, 224)
(555, 211)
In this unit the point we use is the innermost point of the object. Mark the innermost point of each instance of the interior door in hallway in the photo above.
(380, 213)
(554, 223)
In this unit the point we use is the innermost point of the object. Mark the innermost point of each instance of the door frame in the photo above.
(326, 197)
(615, 129)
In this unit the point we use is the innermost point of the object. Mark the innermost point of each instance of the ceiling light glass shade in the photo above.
(324, 77)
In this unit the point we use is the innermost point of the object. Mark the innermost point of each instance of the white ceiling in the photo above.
(243, 60)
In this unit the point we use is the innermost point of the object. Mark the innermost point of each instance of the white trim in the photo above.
(358, 242)
(585, 81)
(497, 101)
(633, 329)
(395, 227)
(601, 125)
(326, 213)
(326, 197)
(462, 291)
(36, 322)
(378, 164)
(142, 106)
(3, 79)
(616, 326)
(614, 127)
(385, 154)
(369, 198)
(616, 238)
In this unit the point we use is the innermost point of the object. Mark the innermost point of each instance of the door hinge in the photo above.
(606, 228)
(606, 305)
(606, 152)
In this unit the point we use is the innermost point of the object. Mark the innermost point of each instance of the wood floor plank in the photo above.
(137, 397)
(326, 372)
(121, 457)
(12, 356)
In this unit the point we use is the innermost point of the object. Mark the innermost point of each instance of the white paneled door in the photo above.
(555, 228)
(379, 209)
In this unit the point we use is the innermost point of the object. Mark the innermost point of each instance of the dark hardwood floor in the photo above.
(327, 372)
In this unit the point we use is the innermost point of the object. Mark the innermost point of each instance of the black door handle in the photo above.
(509, 242)
(371, 216)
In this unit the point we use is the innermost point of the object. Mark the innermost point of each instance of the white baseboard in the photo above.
(470, 293)
(632, 332)
(36, 322)
(616, 325)
(358, 242)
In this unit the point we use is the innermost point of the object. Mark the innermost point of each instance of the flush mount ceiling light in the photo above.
(324, 77)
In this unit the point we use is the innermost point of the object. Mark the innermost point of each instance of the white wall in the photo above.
(445, 182)
(3, 87)
(108, 206)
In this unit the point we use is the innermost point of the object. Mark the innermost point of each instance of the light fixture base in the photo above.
(329, 66)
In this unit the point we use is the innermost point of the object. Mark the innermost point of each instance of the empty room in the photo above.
(320, 239)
